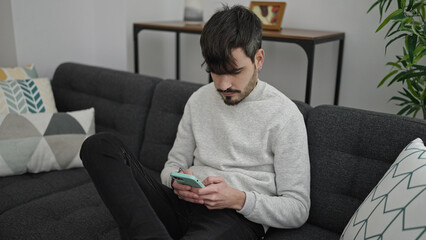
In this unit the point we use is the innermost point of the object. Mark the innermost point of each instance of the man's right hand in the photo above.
(184, 192)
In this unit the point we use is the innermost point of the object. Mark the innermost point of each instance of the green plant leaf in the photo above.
(418, 53)
(394, 65)
(411, 42)
(403, 94)
(402, 76)
(415, 113)
(393, 40)
(410, 5)
(396, 78)
(417, 87)
(381, 9)
(387, 7)
(401, 4)
(415, 31)
(413, 92)
(405, 101)
(423, 96)
(406, 21)
(403, 60)
(418, 5)
(375, 4)
(386, 77)
(416, 59)
(404, 110)
(412, 98)
(388, 34)
(413, 108)
(420, 67)
(391, 16)
(392, 33)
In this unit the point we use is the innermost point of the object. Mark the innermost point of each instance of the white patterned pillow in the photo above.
(43, 141)
(396, 207)
(18, 73)
(27, 96)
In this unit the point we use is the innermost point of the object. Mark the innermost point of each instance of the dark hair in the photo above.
(230, 28)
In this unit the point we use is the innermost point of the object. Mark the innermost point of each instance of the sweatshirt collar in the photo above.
(256, 93)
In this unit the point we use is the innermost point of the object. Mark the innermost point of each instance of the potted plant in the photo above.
(407, 22)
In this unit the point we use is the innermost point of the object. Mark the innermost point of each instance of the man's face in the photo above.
(235, 87)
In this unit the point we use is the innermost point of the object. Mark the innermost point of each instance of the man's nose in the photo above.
(224, 82)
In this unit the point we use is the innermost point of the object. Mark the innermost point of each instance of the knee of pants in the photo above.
(96, 144)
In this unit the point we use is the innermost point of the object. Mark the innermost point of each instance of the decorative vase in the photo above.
(193, 13)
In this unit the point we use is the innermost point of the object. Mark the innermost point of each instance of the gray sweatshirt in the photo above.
(258, 146)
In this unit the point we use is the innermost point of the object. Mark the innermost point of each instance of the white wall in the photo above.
(7, 37)
(49, 32)
(110, 34)
(286, 64)
(156, 49)
(99, 32)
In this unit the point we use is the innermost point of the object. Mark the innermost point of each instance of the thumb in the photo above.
(188, 171)
(212, 180)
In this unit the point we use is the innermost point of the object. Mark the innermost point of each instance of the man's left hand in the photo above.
(219, 195)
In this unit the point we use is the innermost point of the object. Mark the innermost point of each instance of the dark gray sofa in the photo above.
(350, 150)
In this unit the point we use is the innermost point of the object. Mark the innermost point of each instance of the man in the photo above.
(241, 137)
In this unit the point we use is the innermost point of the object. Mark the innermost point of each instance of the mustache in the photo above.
(229, 90)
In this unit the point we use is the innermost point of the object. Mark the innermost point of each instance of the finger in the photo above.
(198, 201)
(188, 171)
(188, 194)
(210, 189)
(178, 186)
(209, 197)
(212, 180)
(212, 205)
(190, 197)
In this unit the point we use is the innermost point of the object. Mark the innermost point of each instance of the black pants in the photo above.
(144, 208)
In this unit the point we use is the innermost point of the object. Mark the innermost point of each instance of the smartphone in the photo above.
(186, 179)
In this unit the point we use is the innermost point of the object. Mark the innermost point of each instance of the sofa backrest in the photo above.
(350, 150)
(167, 107)
(121, 99)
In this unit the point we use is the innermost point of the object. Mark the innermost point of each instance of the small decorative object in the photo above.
(193, 13)
(270, 13)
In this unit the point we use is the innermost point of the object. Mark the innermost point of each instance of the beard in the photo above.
(234, 100)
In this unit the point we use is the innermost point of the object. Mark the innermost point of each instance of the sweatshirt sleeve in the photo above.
(290, 208)
(182, 153)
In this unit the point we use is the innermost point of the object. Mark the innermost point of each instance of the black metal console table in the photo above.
(307, 39)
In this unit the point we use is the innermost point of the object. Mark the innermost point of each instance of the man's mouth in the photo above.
(228, 94)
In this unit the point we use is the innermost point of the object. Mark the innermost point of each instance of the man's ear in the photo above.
(259, 58)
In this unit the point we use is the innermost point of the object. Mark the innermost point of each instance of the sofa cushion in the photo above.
(53, 205)
(396, 207)
(43, 141)
(166, 111)
(121, 99)
(350, 150)
(307, 231)
(26, 96)
(22, 189)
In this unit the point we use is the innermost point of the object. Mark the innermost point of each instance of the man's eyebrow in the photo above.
(237, 70)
